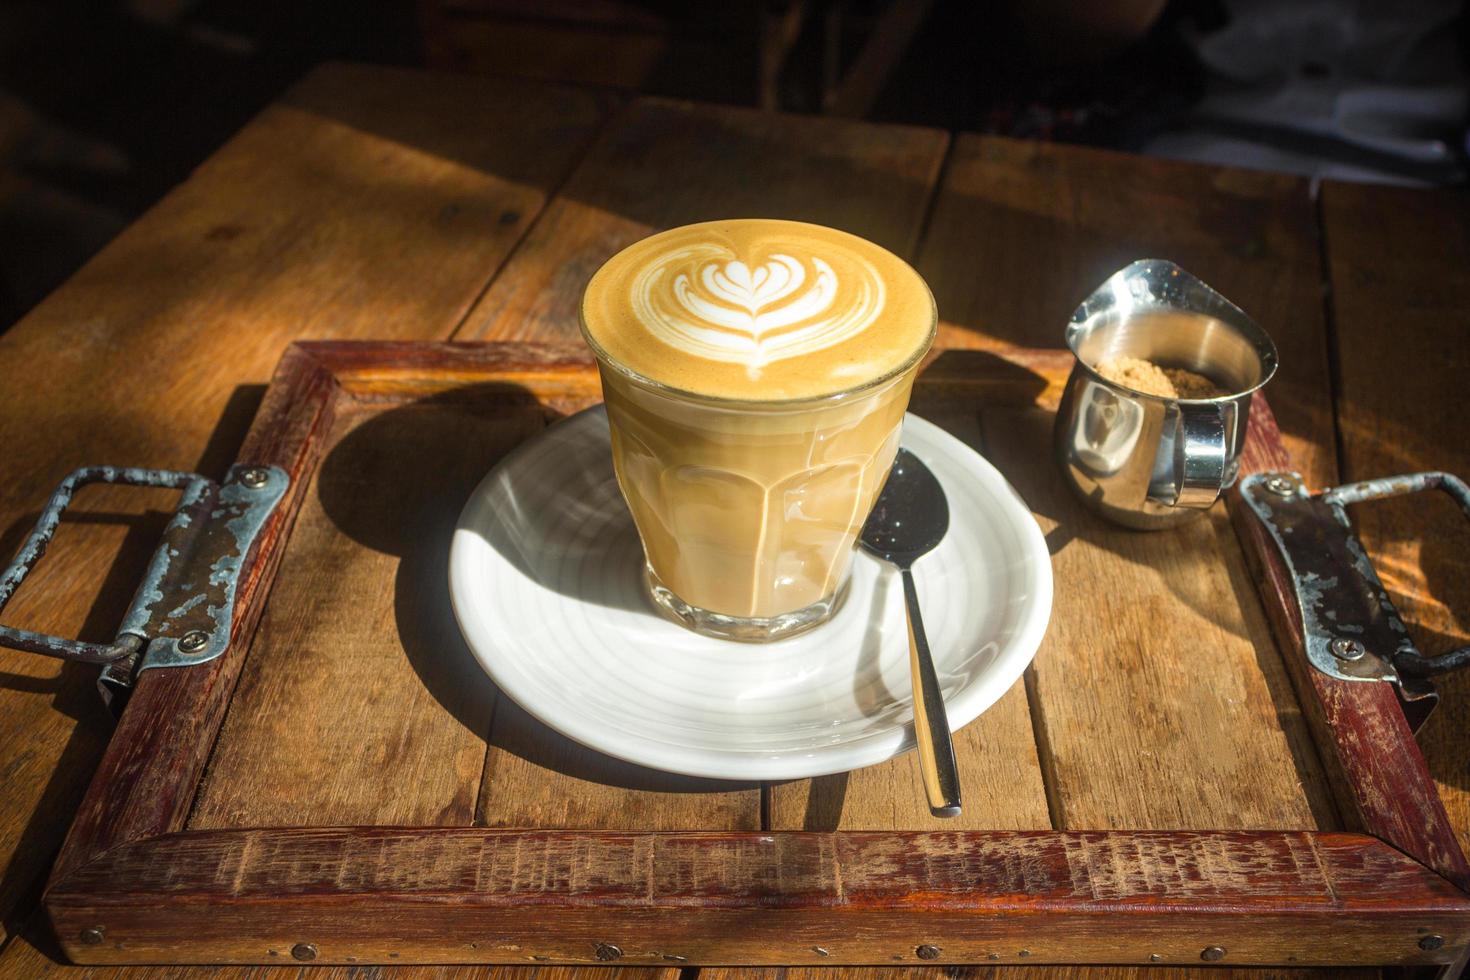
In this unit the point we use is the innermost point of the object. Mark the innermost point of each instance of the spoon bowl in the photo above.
(911, 516)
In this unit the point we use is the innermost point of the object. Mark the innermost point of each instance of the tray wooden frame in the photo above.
(132, 885)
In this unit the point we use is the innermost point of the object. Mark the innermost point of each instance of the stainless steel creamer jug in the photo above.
(1143, 460)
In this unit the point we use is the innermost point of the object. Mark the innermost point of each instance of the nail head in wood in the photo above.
(1155, 958)
(95, 935)
(927, 952)
(607, 952)
(303, 952)
(1212, 953)
(1431, 943)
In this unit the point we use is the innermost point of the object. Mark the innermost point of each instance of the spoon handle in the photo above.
(931, 724)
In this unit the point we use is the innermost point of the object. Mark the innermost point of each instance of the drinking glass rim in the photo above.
(663, 387)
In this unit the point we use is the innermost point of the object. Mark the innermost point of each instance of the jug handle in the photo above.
(1201, 455)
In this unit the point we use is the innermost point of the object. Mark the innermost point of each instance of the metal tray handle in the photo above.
(182, 610)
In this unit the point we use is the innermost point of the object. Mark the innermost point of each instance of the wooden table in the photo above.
(375, 203)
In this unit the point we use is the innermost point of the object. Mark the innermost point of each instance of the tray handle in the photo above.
(182, 610)
(1407, 659)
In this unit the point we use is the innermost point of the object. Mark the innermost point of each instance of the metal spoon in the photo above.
(909, 519)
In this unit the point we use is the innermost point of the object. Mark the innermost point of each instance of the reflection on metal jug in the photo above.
(1109, 430)
(1145, 460)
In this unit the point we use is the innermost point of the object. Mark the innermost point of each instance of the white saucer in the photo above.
(546, 577)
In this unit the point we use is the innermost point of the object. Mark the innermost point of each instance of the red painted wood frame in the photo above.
(131, 885)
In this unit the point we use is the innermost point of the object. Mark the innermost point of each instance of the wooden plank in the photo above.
(359, 702)
(1189, 719)
(1000, 775)
(27, 960)
(24, 959)
(1179, 726)
(370, 202)
(872, 180)
(537, 778)
(475, 895)
(384, 373)
(664, 163)
(1151, 972)
(146, 781)
(1023, 231)
(296, 751)
(143, 785)
(1401, 307)
(1000, 770)
(1378, 773)
(1000, 780)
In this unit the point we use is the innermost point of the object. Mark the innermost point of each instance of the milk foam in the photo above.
(758, 309)
(706, 301)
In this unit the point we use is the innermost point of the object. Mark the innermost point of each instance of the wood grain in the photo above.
(986, 972)
(871, 180)
(359, 701)
(475, 895)
(27, 960)
(1389, 794)
(537, 778)
(1023, 231)
(1000, 779)
(1189, 716)
(296, 751)
(437, 132)
(664, 163)
(484, 874)
(1401, 307)
(1178, 727)
(367, 203)
(362, 608)
(1000, 775)
(147, 780)
(368, 382)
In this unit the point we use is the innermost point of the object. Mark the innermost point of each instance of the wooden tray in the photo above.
(322, 792)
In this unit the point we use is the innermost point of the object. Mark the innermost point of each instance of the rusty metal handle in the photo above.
(1408, 660)
(182, 613)
(129, 641)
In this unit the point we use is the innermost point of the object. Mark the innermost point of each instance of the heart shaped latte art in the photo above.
(707, 301)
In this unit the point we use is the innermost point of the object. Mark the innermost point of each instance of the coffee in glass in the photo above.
(756, 374)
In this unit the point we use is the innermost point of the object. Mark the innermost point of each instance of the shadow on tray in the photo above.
(396, 482)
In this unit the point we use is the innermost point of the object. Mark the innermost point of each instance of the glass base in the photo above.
(746, 629)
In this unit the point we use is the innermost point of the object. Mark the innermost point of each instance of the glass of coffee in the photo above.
(756, 374)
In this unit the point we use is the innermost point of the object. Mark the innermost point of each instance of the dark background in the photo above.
(106, 105)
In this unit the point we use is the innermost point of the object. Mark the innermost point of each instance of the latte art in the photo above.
(758, 309)
(755, 373)
(708, 302)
